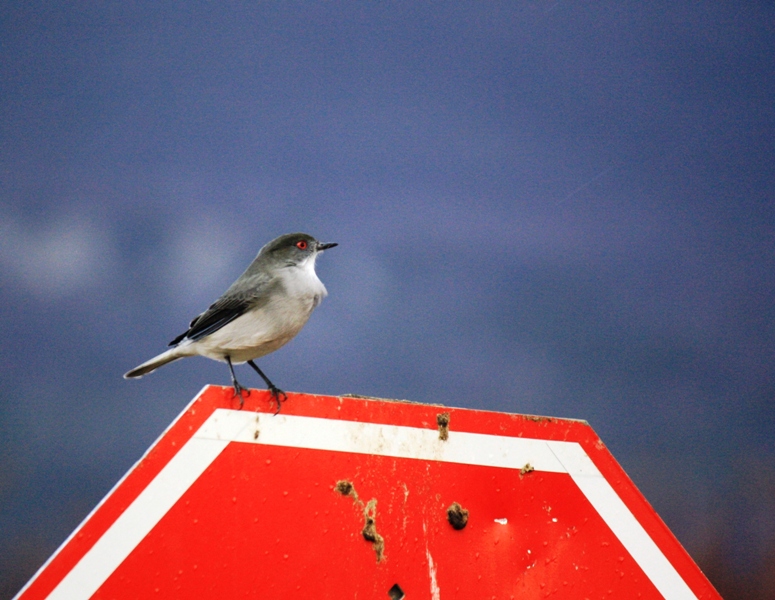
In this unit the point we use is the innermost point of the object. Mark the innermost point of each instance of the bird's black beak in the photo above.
(325, 246)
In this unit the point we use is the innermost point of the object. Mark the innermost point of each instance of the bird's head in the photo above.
(293, 249)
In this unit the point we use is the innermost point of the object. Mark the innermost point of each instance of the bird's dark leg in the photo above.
(276, 391)
(238, 389)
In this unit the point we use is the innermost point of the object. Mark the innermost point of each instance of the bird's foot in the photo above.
(238, 389)
(276, 391)
(276, 394)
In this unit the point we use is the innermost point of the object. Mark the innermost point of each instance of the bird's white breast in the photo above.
(301, 281)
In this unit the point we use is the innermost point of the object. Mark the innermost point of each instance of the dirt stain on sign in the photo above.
(457, 516)
(442, 420)
(369, 509)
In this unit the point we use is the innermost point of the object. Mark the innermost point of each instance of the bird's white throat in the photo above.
(301, 280)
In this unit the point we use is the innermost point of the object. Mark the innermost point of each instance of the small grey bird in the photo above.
(260, 312)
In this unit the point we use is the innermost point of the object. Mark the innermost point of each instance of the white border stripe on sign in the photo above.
(138, 519)
(226, 426)
(75, 532)
(622, 522)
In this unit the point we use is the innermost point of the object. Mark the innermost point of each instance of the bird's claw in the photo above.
(238, 389)
(276, 393)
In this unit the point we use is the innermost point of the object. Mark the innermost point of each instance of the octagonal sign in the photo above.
(344, 497)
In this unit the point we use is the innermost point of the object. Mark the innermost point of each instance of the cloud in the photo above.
(55, 258)
(202, 260)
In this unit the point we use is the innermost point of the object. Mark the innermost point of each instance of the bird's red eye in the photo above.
(301, 244)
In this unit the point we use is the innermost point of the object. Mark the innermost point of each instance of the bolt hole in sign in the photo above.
(345, 497)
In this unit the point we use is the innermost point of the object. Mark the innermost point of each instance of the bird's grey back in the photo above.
(250, 291)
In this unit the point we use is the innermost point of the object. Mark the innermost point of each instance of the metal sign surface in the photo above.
(349, 497)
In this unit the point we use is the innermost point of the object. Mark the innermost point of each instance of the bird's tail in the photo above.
(153, 364)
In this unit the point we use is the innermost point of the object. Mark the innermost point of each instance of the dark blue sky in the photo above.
(547, 208)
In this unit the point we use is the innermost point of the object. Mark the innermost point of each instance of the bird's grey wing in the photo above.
(234, 303)
(223, 312)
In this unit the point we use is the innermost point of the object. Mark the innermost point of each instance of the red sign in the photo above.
(350, 497)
